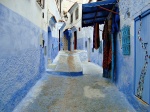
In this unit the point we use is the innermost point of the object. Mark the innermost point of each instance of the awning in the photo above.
(96, 12)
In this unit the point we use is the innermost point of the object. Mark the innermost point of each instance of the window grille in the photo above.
(126, 39)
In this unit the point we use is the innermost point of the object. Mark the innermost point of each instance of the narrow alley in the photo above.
(87, 93)
(74, 56)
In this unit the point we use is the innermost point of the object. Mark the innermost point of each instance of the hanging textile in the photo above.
(107, 54)
(96, 40)
(109, 41)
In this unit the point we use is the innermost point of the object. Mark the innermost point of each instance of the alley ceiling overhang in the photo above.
(96, 12)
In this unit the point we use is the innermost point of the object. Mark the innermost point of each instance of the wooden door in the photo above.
(75, 40)
(142, 59)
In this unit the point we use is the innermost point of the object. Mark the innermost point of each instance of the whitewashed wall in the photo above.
(53, 10)
(31, 10)
(125, 64)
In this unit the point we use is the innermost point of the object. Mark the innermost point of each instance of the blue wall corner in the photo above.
(53, 47)
(124, 75)
(96, 57)
(21, 58)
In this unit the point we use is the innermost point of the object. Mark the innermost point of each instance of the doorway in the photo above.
(142, 58)
(75, 40)
(59, 42)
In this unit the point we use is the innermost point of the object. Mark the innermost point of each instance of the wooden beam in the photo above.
(108, 10)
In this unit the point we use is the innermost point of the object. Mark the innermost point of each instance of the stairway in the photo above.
(68, 61)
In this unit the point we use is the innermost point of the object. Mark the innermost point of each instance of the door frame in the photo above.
(145, 13)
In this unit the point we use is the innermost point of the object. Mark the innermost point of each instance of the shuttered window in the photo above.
(77, 13)
(71, 19)
(126, 40)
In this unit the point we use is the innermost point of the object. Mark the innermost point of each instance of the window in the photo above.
(43, 43)
(43, 15)
(79, 28)
(71, 19)
(126, 40)
(41, 3)
(86, 44)
(77, 10)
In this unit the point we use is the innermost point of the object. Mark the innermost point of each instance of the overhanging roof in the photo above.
(95, 12)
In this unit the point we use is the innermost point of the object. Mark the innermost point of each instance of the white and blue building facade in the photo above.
(130, 63)
(131, 53)
(23, 58)
(84, 35)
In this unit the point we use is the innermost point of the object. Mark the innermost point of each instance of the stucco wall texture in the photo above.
(53, 47)
(81, 43)
(21, 57)
(124, 65)
(95, 56)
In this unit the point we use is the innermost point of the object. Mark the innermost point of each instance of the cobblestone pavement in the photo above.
(87, 93)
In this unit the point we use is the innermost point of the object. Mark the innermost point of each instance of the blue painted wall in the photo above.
(21, 58)
(53, 47)
(61, 43)
(124, 75)
(81, 43)
(124, 65)
(96, 57)
(124, 69)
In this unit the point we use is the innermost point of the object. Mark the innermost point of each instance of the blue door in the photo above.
(142, 59)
